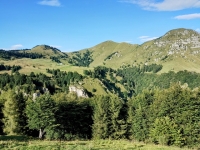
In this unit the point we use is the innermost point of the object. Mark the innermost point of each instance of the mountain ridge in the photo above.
(177, 49)
(180, 47)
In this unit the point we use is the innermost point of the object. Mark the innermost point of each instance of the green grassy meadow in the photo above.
(40, 65)
(25, 143)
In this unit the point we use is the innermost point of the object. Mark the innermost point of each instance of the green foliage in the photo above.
(41, 114)
(14, 118)
(81, 60)
(17, 54)
(181, 105)
(169, 116)
(136, 79)
(75, 118)
(101, 116)
(164, 131)
(109, 118)
(55, 59)
(31, 83)
(94, 90)
(1, 117)
(110, 56)
(139, 115)
(8, 67)
(151, 68)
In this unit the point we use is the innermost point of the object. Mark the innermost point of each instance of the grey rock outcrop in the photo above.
(80, 92)
(35, 95)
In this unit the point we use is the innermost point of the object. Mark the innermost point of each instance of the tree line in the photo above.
(137, 78)
(79, 59)
(59, 81)
(161, 116)
(18, 54)
(13, 68)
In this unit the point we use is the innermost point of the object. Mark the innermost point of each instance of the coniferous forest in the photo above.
(160, 109)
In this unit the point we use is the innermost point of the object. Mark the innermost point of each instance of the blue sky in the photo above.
(72, 25)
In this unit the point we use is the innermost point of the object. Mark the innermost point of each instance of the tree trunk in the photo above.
(41, 133)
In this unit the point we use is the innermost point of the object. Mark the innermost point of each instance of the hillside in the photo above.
(47, 51)
(177, 50)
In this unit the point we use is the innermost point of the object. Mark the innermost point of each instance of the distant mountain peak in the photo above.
(46, 47)
(47, 50)
(180, 33)
(179, 38)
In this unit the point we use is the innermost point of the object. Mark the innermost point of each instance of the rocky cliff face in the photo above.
(80, 92)
(179, 40)
(178, 43)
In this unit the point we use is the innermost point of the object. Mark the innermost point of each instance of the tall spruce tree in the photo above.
(139, 116)
(101, 117)
(109, 118)
(41, 114)
(118, 113)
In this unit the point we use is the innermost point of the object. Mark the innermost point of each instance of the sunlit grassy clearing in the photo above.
(40, 66)
(22, 143)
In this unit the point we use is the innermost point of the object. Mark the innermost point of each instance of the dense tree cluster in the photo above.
(110, 56)
(79, 59)
(169, 116)
(59, 81)
(64, 79)
(18, 54)
(14, 68)
(102, 73)
(55, 59)
(135, 79)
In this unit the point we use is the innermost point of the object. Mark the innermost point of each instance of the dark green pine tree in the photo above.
(139, 115)
(41, 114)
(118, 114)
(109, 118)
(101, 119)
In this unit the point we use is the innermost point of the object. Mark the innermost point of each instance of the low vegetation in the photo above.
(26, 143)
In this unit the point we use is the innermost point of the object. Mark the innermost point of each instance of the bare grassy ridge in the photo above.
(24, 143)
(171, 50)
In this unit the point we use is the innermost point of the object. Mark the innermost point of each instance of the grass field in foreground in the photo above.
(23, 143)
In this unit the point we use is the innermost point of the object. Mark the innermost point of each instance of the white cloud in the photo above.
(17, 46)
(50, 2)
(14, 47)
(188, 16)
(146, 38)
(165, 5)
